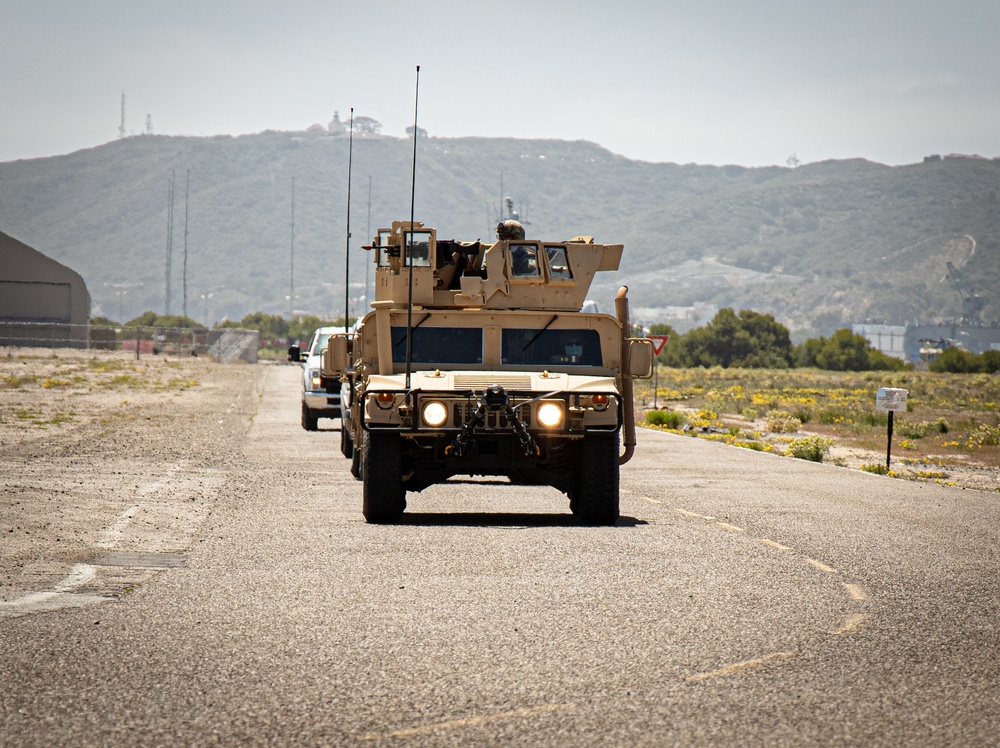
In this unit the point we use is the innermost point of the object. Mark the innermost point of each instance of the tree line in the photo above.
(748, 339)
(272, 327)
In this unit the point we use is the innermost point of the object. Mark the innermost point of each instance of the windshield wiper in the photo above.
(403, 339)
(537, 334)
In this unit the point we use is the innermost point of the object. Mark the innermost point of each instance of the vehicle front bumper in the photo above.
(321, 401)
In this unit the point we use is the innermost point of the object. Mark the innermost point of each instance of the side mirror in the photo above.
(640, 358)
(294, 353)
(337, 356)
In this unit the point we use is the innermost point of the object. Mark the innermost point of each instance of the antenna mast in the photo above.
(409, 248)
(347, 248)
(368, 234)
(291, 261)
(170, 240)
(184, 275)
(121, 127)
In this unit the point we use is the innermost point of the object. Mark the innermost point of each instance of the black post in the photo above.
(138, 342)
(888, 446)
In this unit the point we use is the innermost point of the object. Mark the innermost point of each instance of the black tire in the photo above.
(346, 442)
(382, 473)
(310, 422)
(595, 499)
(356, 463)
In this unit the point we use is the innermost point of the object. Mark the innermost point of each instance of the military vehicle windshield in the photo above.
(439, 345)
(544, 347)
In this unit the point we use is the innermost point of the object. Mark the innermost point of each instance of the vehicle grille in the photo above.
(494, 419)
(482, 381)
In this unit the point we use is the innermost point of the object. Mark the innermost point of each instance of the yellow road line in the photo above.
(686, 513)
(821, 566)
(651, 501)
(851, 623)
(773, 544)
(738, 666)
(728, 526)
(468, 722)
(855, 592)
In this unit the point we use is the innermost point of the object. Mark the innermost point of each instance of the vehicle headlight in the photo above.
(434, 413)
(316, 381)
(550, 414)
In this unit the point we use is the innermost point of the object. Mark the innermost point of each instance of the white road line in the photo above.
(61, 596)
(111, 534)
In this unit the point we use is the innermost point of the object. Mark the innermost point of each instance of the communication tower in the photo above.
(121, 126)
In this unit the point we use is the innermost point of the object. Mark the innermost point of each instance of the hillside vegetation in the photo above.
(817, 246)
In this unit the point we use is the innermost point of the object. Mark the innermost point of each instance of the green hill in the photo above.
(818, 246)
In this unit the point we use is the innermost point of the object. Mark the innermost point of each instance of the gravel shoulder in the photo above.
(110, 464)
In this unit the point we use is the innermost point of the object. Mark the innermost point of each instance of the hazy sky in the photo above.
(710, 82)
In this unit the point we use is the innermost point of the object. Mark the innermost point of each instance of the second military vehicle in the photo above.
(478, 361)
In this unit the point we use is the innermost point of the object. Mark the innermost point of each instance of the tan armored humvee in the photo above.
(478, 361)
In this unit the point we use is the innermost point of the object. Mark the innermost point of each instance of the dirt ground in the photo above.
(92, 441)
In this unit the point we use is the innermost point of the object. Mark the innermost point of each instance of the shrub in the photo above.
(984, 436)
(803, 414)
(878, 468)
(812, 448)
(671, 419)
(780, 422)
(912, 430)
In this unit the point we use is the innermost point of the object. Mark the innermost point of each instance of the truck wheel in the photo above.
(346, 442)
(356, 462)
(382, 472)
(309, 421)
(595, 500)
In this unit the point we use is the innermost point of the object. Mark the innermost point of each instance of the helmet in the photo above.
(510, 230)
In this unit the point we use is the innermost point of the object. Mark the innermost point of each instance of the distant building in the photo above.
(42, 302)
(921, 343)
(890, 339)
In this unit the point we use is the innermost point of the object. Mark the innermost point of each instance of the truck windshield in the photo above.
(552, 346)
(439, 345)
(320, 343)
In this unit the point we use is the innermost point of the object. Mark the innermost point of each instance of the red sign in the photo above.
(658, 342)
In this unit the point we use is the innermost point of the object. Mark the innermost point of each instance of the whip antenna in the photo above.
(347, 248)
(409, 247)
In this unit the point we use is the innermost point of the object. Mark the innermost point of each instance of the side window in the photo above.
(524, 261)
(558, 263)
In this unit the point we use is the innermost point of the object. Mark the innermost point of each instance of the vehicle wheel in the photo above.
(382, 472)
(310, 422)
(356, 461)
(596, 494)
(346, 442)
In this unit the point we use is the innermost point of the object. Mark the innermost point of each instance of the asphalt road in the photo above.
(743, 599)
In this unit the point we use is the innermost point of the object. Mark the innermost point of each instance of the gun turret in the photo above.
(508, 274)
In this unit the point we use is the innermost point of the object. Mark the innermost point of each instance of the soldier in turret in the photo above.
(510, 230)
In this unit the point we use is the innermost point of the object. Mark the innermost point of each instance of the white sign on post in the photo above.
(891, 399)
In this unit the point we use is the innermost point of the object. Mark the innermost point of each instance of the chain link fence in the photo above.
(226, 345)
